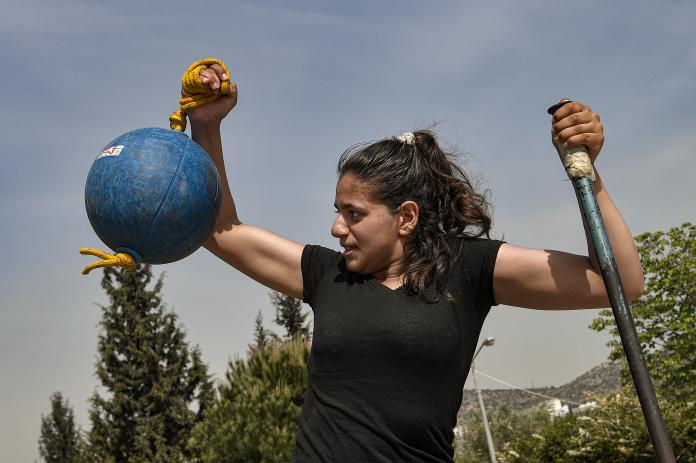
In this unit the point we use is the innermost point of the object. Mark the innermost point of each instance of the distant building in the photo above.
(556, 408)
(582, 408)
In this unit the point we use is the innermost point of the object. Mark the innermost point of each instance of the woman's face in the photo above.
(366, 229)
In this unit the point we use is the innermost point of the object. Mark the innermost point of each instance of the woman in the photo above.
(397, 315)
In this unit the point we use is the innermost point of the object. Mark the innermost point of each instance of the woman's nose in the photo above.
(339, 229)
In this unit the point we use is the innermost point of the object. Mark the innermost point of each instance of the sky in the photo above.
(314, 78)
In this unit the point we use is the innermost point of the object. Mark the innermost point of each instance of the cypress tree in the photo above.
(289, 315)
(151, 376)
(262, 337)
(59, 441)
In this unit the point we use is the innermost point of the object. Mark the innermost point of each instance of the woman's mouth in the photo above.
(348, 250)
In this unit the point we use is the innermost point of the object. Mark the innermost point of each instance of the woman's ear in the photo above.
(408, 217)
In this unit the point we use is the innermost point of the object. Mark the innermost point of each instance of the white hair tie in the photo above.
(406, 137)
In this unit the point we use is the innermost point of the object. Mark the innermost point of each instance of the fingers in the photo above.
(214, 76)
(232, 92)
(220, 72)
(568, 109)
(576, 124)
(590, 135)
(593, 142)
(577, 118)
(590, 129)
(210, 78)
(233, 88)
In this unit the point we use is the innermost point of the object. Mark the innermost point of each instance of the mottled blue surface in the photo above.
(158, 197)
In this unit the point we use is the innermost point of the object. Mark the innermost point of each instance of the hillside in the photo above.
(601, 380)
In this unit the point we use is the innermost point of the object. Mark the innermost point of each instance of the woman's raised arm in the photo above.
(268, 258)
(545, 279)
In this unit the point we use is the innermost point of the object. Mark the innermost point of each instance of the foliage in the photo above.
(470, 440)
(59, 441)
(681, 424)
(289, 315)
(255, 415)
(665, 317)
(151, 375)
(262, 336)
(614, 431)
(509, 429)
(551, 443)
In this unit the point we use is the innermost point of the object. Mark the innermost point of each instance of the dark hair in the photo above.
(396, 171)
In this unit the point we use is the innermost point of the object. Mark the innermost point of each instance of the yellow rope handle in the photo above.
(121, 260)
(200, 93)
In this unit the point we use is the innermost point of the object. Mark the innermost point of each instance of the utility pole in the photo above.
(484, 417)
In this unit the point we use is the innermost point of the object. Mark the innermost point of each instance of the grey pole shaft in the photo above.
(619, 305)
(484, 417)
(624, 322)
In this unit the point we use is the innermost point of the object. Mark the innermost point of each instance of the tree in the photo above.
(151, 375)
(665, 317)
(255, 417)
(553, 441)
(613, 431)
(262, 336)
(256, 411)
(514, 434)
(59, 441)
(289, 315)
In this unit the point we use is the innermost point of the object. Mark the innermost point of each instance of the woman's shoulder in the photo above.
(462, 244)
(472, 261)
(318, 255)
(468, 252)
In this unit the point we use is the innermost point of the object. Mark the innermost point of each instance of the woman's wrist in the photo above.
(207, 126)
(205, 131)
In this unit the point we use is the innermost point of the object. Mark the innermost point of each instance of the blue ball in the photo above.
(154, 194)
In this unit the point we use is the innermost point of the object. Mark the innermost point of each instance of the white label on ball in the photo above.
(111, 151)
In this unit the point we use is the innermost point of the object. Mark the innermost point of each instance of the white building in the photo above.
(556, 408)
(582, 408)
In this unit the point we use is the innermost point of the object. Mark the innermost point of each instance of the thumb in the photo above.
(557, 144)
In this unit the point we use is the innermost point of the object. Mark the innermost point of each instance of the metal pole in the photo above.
(622, 315)
(489, 438)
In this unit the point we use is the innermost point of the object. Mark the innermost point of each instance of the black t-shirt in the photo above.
(386, 369)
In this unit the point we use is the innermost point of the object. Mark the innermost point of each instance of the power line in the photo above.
(521, 388)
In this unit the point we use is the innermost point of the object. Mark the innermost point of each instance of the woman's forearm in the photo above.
(621, 240)
(208, 136)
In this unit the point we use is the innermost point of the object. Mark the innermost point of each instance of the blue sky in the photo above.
(315, 78)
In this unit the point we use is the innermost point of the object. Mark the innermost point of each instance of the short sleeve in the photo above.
(317, 262)
(475, 265)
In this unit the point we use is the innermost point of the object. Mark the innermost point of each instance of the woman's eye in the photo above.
(354, 215)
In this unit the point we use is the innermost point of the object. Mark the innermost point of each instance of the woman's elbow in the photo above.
(635, 289)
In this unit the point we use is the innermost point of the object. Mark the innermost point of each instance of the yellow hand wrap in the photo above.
(200, 93)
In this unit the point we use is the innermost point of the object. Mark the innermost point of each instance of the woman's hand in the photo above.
(576, 124)
(214, 112)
